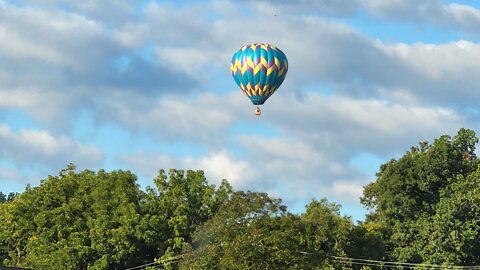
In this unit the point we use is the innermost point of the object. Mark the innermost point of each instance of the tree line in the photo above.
(424, 208)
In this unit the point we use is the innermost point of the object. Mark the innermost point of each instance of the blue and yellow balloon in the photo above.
(259, 69)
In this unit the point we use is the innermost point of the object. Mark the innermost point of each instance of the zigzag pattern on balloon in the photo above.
(259, 69)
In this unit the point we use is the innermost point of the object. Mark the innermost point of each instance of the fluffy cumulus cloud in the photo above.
(445, 72)
(110, 12)
(307, 7)
(347, 124)
(436, 12)
(160, 71)
(217, 166)
(52, 37)
(30, 147)
(55, 61)
(204, 119)
(10, 174)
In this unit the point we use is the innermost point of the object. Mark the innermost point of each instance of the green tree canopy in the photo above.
(410, 193)
(177, 205)
(74, 221)
(454, 235)
(253, 231)
(102, 220)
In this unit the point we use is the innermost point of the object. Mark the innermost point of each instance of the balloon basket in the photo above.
(258, 111)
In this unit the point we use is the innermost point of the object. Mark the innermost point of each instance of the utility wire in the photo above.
(364, 264)
(337, 259)
(158, 264)
(396, 264)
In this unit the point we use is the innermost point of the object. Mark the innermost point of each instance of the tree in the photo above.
(7, 198)
(405, 195)
(181, 202)
(250, 231)
(253, 231)
(454, 235)
(367, 242)
(5, 248)
(329, 234)
(75, 221)
(102, 220)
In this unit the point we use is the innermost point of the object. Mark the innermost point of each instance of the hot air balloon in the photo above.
(259, 69)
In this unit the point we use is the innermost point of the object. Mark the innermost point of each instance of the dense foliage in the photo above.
(425, 208)
(102, 220)
(426, 202)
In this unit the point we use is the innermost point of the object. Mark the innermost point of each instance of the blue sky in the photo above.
(146, 85)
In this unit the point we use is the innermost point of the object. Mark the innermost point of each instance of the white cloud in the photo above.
(223, 165)
(217, 165)
(147, 164)
(51, 36)
(110, 12)
(190, 61)
(319, 7)
(283, 155)
(452, 61)
(348, 191)
(10, 174)
(42, 105)
(203, 119)
(464, 16)
(57, 61)
(345, 124)
(13, 44)
(182, 25)
(426, 12)
(132, 35)
(445, 73)
(29, 147)
(434, 12)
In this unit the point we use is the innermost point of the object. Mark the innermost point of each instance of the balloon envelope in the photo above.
(259, 69)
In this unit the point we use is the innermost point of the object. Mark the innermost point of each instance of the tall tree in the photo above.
(405, 195)
(178, 204)
(454, 234)
(75, 221)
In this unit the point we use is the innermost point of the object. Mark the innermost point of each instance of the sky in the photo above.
(145, 85)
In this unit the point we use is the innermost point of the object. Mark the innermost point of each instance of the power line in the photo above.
(141, 266)
(397, 264)
(158, 264)
(391, 264)
(337, 259)
(364, 264)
